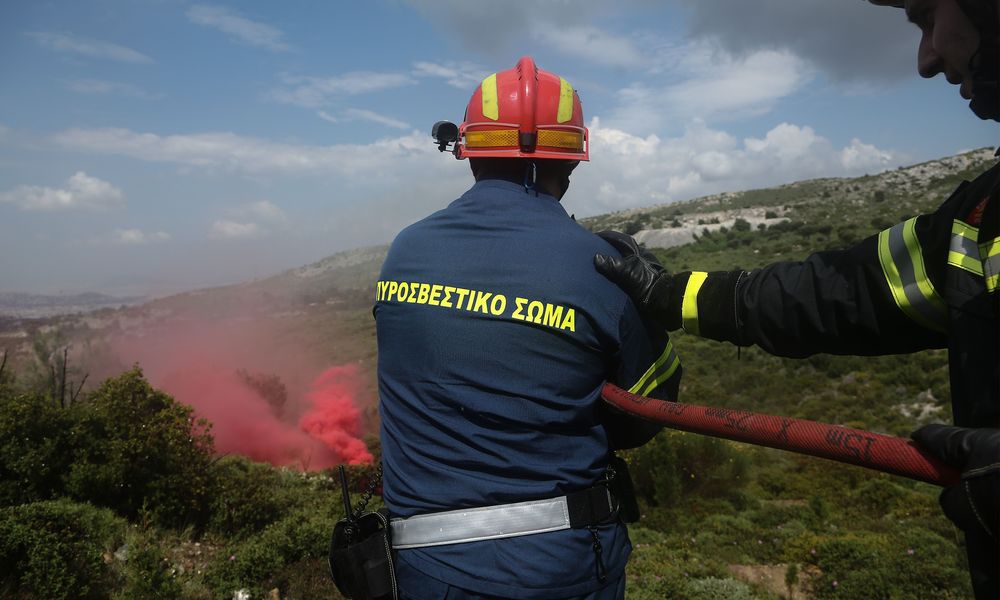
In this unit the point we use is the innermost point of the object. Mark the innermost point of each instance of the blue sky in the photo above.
(151, 146)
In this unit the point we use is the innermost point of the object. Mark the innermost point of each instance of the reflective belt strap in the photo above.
(462, 525)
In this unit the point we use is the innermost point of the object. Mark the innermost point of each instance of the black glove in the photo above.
(974, 503)
(643, 278)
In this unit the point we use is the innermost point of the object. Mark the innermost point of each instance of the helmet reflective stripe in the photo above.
(491, 108)
(902, 262)
(990, 253)
(565, 112)
(492, 138)
(964, 253)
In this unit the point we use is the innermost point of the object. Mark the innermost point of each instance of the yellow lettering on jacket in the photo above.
(528, 310)
(446, 301)
(435, 299)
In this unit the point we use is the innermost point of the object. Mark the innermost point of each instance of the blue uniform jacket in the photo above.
(495, 335)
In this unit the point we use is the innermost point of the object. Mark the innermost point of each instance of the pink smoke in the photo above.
(242, 421)
(197, 361)
(333, 418)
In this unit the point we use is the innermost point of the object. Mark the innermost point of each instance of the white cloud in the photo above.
(708, 83)
(361, 114)
(327, 117)
(314, 92)
(461, 75)
(850, 41)
(137, 237)
(237, 26)
(98, 87)
(860, 156)
(374, 117)
(229, 151)
(86, 47)
(81, 192)
(231, 230)
(268, 211)
(252, 220)
(501, 29)
(628, 171)
(590, 44)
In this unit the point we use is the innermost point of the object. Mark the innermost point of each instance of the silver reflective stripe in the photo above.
(477, 524)
(964, 251)
(991, 266)
(902, 263)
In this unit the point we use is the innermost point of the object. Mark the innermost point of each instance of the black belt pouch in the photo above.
(361, 558)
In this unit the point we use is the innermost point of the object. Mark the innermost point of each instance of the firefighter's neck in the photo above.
(544, 182)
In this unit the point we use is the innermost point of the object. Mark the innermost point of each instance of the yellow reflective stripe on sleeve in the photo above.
(655, 383)
(658, 372)
(689, 306)
(919, 271)
(903, 267)
(990, 253)
(491, 108)
(964, 253)
(565, 111)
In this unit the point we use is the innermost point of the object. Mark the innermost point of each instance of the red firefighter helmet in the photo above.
(524, 112)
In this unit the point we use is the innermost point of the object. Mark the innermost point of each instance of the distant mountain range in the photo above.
(35, 306)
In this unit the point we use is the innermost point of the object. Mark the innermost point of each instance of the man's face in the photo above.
(948, 42)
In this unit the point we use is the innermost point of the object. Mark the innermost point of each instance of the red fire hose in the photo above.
(855, 446)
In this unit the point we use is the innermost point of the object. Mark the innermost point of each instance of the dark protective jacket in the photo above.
(495, 336)
(929, 282)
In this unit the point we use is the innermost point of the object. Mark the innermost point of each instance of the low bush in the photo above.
(135, 446)
(35, 447)
(261, 560)
(58, 550)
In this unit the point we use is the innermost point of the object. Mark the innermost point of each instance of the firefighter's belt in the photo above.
(585, 508)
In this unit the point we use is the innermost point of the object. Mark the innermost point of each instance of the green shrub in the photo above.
(715, 588)
(35, 448)
(248, 565)
(135, 446)
(247, 497)
(147, 573)
(676, 463)
(58, 550)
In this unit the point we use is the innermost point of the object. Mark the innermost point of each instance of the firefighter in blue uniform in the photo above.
(495, 336)
(928, 282)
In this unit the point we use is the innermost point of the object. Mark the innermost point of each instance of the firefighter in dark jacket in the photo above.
(928, 282)
(495, 337)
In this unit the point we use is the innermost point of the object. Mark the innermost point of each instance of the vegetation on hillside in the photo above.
(115, 491)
